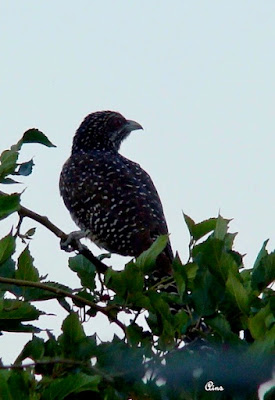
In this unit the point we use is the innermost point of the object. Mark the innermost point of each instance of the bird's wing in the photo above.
(107, 188)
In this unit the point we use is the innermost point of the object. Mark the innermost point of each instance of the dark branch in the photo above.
(61, 292)
(54, 361)
(43, 220)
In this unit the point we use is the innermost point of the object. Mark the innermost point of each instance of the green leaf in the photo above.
(17, 326)
(203, 228)
(5, 393)
(221, 326)
(18, 310)
(190, 224)
(181, 322)
(191, 271)
(7, 270)
(237, 291)
(33, 349)
(262, 253)
(9, 203)
(85, 270)
(179, 275)
(8, 161)
(20, 384)
(264, 344)
(8, 181)
(26, 270)
(221, 228)
(62, 387)
(207, 293)
(127, 282)
(36, 294)
(25, 168)
(212, 254)
(7, 248)
(147, 259)
(263, 272)
(35, 136)
(73, 333)
(258, 323)
(84, 295)
(134, 334)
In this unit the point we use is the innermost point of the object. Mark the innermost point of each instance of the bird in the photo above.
(109, 196)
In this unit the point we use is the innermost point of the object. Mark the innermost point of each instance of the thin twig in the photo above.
(61, 292)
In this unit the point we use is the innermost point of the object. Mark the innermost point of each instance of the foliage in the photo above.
(218, 326)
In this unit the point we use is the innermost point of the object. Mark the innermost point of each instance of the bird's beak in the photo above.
(132, 125)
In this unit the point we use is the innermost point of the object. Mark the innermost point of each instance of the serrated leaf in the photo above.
(134, 334)
(36, 136)
(127, 282)
(203, 228)
(16, 326)
(33, 349)
(60, 388)
(147, 259)
(221, 228)
(26, 270)
(36, 294)
(211, 254)
(9, 204)
(72, 333)
(85, 270)
(7, 248)
(18, 310)
(236, 289)
(263, 272)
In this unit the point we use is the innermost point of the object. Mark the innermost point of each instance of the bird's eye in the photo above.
(116, 123)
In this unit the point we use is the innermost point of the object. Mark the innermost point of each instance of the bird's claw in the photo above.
(72, 241)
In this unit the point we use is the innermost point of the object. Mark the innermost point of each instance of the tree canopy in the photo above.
(218, 344)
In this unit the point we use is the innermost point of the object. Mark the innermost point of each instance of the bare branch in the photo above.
(43, 220)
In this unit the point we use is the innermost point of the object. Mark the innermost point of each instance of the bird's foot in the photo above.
(72, 242)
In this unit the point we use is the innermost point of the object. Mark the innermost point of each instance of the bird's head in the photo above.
(103, 130)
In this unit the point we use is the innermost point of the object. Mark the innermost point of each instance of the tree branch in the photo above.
(61, 292)
(43, 220)
(54, 361)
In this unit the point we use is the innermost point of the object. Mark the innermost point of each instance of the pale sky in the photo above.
(198, 76)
